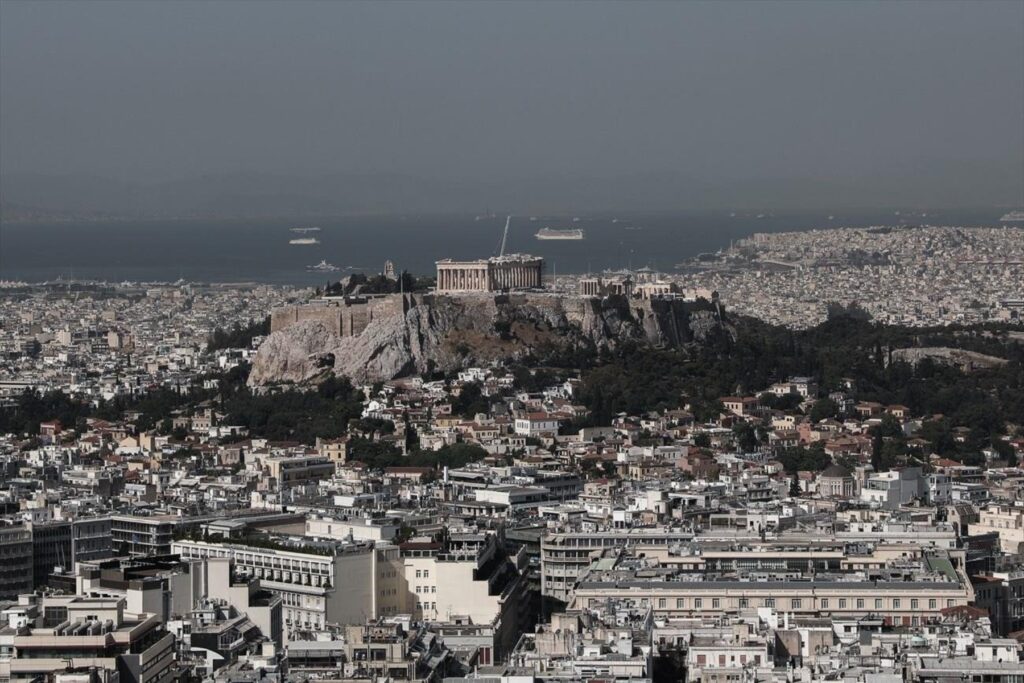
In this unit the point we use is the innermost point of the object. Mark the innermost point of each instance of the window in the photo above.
(716, 603)
(860, 603)
(878, 603)
(842, 603)
(744, 603)
(914, 604)
(932, 603)
(895, 603)
(680, 603)
(796, 603)
(698, 603)
(426, 573)
(661, 603)
(769, 602)
(824, 603)
(418, 574)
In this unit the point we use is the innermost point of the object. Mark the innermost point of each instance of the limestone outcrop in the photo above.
(444, 333)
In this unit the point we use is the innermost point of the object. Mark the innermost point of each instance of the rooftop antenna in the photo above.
(504, 236)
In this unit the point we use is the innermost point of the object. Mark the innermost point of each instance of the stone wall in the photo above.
(345, 317)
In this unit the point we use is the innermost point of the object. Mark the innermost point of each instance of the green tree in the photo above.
(823, 408)
(746, 437)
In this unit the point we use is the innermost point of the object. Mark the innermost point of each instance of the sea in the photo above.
(225, 251)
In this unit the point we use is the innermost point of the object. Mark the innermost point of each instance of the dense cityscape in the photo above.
(430, 341)
(905, 276)
(679, 510)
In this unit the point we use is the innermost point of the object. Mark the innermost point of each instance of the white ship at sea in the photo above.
(304, 240)
(1013, 217)
(323, 267)
(553, 234)
(305, 230)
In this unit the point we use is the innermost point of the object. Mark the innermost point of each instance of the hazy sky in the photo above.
(873, 99)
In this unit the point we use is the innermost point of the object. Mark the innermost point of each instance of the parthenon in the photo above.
(514, 271)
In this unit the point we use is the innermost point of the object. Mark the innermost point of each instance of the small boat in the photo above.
(323, 267)
(304, 240)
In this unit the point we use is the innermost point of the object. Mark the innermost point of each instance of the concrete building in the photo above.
(295, 470)
(565, 556)
(15, 559)
(319, 583)
(1005, 520)
(901, 593)
(143, 535)
(535, 424)
(1002, 595)
(514, 271)
(62, 543)
(471, 581)
(354, 529)
(890, 490)
(47, 635)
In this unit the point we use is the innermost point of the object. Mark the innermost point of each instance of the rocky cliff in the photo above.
(444, 333)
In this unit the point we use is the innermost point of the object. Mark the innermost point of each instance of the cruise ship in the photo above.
(1013, 217)
(553, 234)
(304, 240)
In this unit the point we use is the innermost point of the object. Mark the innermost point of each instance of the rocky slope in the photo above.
(961, 358)
(447, 333)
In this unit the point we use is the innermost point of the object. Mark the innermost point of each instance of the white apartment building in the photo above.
(1005, 520)
(535, 424)
(319, 583)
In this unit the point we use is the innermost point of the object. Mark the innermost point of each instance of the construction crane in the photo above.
(504, 236)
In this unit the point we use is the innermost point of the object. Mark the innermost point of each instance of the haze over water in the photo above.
(258, 250)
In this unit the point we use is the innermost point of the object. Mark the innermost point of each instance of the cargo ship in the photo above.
(304, 240)
(553, 234)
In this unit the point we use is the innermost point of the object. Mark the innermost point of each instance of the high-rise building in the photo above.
(15, 559)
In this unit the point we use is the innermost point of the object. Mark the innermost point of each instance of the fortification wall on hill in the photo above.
(345, 317)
